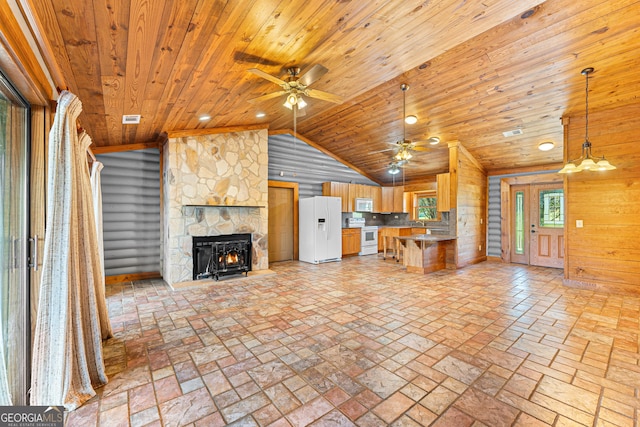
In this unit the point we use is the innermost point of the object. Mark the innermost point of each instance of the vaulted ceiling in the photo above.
(475, 69)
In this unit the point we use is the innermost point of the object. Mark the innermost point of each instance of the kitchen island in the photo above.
(387, 234)
(426, 253)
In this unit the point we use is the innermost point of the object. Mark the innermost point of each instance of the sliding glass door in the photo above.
(14, 273)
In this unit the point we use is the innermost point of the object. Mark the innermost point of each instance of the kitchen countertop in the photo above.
(427, 237)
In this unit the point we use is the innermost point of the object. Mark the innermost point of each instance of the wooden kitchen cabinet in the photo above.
(339, 189)
(350, 241)
(443, 192)
(349, 192)
(392, 199)
(376, 195)
(387, 199)
(359, 191)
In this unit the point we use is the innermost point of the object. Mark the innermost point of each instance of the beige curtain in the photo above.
(72, 320)
(96, 191)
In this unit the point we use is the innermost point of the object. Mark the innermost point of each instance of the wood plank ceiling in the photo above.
(475, 68)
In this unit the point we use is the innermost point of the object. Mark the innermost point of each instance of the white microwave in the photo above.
(363, 205)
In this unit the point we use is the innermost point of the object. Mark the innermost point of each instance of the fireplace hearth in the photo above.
(224, 255)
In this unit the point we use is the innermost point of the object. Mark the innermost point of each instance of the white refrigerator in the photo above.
(320, 229)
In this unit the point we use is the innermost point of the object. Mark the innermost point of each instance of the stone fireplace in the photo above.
(213, 185)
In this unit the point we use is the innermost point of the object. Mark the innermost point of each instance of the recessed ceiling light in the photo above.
(546, 146)
(260, 115)
(204, 118)
(411, 120)
(434, 140)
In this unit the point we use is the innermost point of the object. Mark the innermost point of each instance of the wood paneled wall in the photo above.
(469, 185)
(605, 252)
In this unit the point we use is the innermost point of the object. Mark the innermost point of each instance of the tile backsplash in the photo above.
(444, 226)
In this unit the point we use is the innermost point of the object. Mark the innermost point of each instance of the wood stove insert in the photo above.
(224, 255)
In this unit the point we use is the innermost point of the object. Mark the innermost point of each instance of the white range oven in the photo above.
(369, 240)
(368, 236)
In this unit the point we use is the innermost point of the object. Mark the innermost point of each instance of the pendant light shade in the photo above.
(586, 161)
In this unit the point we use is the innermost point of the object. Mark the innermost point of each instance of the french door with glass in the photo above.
(537, 225)
(14, 243)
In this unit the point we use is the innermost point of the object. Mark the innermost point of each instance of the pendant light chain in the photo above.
(295, 136)
(404, 112)
(586, 96)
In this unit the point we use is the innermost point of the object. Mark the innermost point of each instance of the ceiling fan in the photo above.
(405, 146)
(296, 86)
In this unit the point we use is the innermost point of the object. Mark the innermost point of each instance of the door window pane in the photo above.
(520, 226)
(14, 333)
(552, 208)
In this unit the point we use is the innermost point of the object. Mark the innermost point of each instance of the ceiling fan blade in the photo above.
(380, 151)
(325, 96)
(313, 74)
(267, 76)
(267, 96)
(423, 149)
(434, 140)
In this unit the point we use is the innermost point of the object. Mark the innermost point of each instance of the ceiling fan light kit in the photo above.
(403, 154)
(394, 169)
(294, 99)
(586, 161)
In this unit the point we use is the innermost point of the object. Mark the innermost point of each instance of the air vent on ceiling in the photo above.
(131, 119)
(512, 133)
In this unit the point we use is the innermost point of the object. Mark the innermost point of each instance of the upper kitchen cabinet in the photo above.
(376, 195)
(362, 191)
(338, 189)
(392, 199)
(443, 192)
(350, 192)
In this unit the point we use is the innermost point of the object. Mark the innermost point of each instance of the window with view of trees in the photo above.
(425, 205)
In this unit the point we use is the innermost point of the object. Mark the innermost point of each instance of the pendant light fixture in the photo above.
(587, 161)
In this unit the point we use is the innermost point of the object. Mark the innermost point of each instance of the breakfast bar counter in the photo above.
(426, 253)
